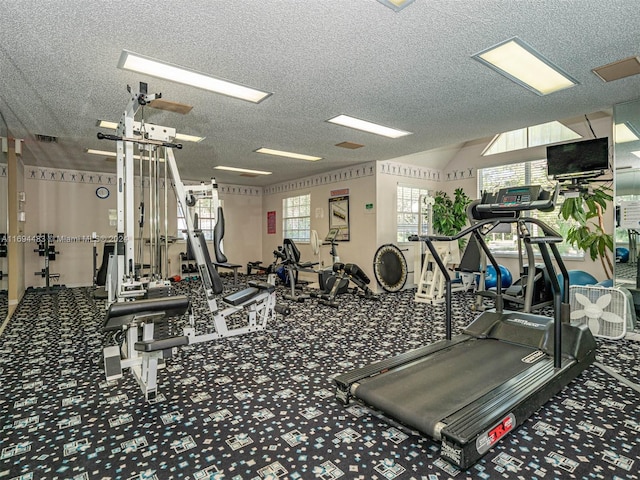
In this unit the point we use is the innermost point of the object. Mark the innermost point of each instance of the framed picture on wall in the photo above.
(339, 217)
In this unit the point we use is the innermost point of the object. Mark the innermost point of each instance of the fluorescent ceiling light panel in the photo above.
(624, 132)
(280, 153)
(188, 138)
(242, 170)
(156, 68)
(106, 153)
(396, 5)
(522, 64)
(109, 125)
(179, 136)
(347, 121)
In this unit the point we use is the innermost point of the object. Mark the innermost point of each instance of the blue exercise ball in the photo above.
(490, 277)
(576, 277)
(622, 254)
(605, 283)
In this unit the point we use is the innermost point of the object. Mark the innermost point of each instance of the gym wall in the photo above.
(360, 182)
(64, 203)
(389, 175)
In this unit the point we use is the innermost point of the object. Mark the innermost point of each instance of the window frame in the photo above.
(404, 229)
(296, 218)
(206, 211)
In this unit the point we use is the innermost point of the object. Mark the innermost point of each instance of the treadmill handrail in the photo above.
(494, 222)
(550, 238)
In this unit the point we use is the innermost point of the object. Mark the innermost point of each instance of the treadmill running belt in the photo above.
(428, 390)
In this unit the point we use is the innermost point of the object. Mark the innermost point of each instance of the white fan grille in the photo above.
(603, 310)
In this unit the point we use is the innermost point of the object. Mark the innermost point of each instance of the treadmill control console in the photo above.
(516, 199)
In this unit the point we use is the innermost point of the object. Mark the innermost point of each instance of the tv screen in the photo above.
(578, 158)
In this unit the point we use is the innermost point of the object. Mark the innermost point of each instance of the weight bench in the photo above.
(242, 296)
(140, 350)
(230, 266)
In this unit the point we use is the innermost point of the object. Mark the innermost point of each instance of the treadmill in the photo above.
(470, 390)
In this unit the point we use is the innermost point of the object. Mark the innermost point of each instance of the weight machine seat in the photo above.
(216, 281)
(121, 314)
(293, 255)
(355, 271)
(242, 296)
(101, 276)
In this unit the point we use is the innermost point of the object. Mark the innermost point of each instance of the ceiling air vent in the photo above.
(46, 139)
(617, 70)
(349, 145)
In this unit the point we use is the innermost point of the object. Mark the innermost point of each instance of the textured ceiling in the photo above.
(411, 70)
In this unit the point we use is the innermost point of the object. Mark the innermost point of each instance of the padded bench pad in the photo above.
(241, 296)
(121, 314)
(228, 265)
(162, 344)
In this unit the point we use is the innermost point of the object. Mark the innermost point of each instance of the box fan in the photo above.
(608, 311)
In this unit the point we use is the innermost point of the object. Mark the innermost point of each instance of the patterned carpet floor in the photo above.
(261, 406)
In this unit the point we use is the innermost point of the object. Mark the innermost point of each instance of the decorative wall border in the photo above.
(409, 171)
(460, 174)
(335, 176)
(32, 172)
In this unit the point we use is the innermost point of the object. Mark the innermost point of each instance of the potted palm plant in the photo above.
(587, 231)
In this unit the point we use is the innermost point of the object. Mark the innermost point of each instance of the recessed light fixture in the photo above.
(106, 153)
(520, 63)
(396, 5)
(280, 153)
(188, 138)
(179, 136)
(157, 68)
(370, 127)
(625, 132)
(106, 124)
(242, 170)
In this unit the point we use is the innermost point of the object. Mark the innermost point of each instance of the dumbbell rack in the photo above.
(47, 249)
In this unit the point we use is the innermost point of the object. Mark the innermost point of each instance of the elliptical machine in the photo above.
(335, 281)
(328, 277)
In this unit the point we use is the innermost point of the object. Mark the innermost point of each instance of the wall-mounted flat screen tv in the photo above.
(576, 159)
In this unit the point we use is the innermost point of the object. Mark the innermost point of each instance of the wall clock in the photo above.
(102, 192)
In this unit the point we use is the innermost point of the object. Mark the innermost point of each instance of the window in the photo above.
(543, 134)
(296, 218)
(526, 173)
(205, 209)
(408, 212)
